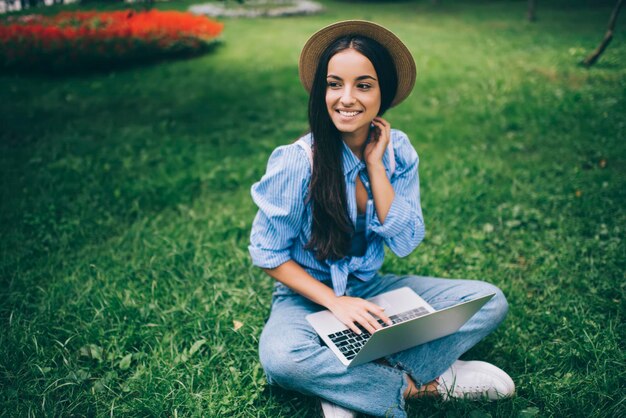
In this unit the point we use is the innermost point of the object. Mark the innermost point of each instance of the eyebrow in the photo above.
(359, 78)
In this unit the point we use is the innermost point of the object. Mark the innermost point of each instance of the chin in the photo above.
(346, 127)
(349, 130)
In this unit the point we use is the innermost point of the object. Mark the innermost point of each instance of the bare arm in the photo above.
(349, 310)
(382, 190)
(292, 275)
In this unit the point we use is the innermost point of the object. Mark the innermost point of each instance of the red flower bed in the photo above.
(72, 40)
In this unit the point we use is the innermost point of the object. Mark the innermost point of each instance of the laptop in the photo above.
(415, 322)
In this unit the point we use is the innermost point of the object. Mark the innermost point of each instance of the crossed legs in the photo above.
(294, 357)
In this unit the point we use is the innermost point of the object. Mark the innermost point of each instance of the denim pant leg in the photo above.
(426, 362)
(294, 357)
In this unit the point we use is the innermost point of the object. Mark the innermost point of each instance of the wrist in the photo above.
(331, 302)
(375, 167)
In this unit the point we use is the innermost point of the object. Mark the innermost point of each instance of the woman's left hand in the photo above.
(380, 136)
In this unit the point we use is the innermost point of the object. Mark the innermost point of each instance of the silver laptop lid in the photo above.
(423, 329)
(398, 337)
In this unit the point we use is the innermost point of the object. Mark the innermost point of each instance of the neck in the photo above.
(356, 141)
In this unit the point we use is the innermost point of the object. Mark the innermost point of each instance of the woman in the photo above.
(324, 217)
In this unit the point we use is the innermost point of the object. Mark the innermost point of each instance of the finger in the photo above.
(385, 318)
(386, 127)
(364, 322)
(384, 130)
(385, 124)
(382, 121)
(378, 122)
(372, 321)
(380, 312)
(378, 139)
(353, 327)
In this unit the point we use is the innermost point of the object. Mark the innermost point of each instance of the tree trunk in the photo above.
(531, 11)
(608, 36)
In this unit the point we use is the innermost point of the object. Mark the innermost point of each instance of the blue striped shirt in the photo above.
(282, 226)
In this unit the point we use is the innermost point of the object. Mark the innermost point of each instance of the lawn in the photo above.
(126, 286)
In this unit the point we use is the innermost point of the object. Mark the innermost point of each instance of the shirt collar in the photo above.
(350, 161)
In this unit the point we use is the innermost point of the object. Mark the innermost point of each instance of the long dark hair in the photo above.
(332, 228)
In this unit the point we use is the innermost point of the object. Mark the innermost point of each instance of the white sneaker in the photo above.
(475, 380)
(331, 410)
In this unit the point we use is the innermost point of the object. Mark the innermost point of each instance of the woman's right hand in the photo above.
(352, 311)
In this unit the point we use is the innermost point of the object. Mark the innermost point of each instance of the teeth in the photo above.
(344, 113)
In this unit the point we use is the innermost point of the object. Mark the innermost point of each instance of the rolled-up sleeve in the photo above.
(403, 229)
(280, 197)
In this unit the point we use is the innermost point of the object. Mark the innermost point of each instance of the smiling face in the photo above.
(353, 93)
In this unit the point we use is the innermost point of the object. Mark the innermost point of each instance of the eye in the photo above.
(364, 86)
(333, 84)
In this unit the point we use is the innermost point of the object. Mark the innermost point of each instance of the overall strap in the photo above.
(392, 157)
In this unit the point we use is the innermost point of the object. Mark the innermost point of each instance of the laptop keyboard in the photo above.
(350, 343)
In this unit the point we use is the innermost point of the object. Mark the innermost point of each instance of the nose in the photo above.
(347, 99)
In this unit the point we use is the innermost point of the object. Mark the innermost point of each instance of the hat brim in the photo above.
(319, 41)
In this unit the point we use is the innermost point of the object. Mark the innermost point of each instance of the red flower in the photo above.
(117, 35)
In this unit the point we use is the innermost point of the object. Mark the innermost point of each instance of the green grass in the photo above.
(125, 213)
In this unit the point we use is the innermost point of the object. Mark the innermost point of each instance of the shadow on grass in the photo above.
(95, 154)
(53, 68)
(290, 403)
(282, 402)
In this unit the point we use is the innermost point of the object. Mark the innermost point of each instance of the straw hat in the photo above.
(319, 41)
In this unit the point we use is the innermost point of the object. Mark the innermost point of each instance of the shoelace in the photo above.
(460, 390)
(473, 389)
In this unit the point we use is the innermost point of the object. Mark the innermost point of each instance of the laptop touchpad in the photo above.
(382, 301)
